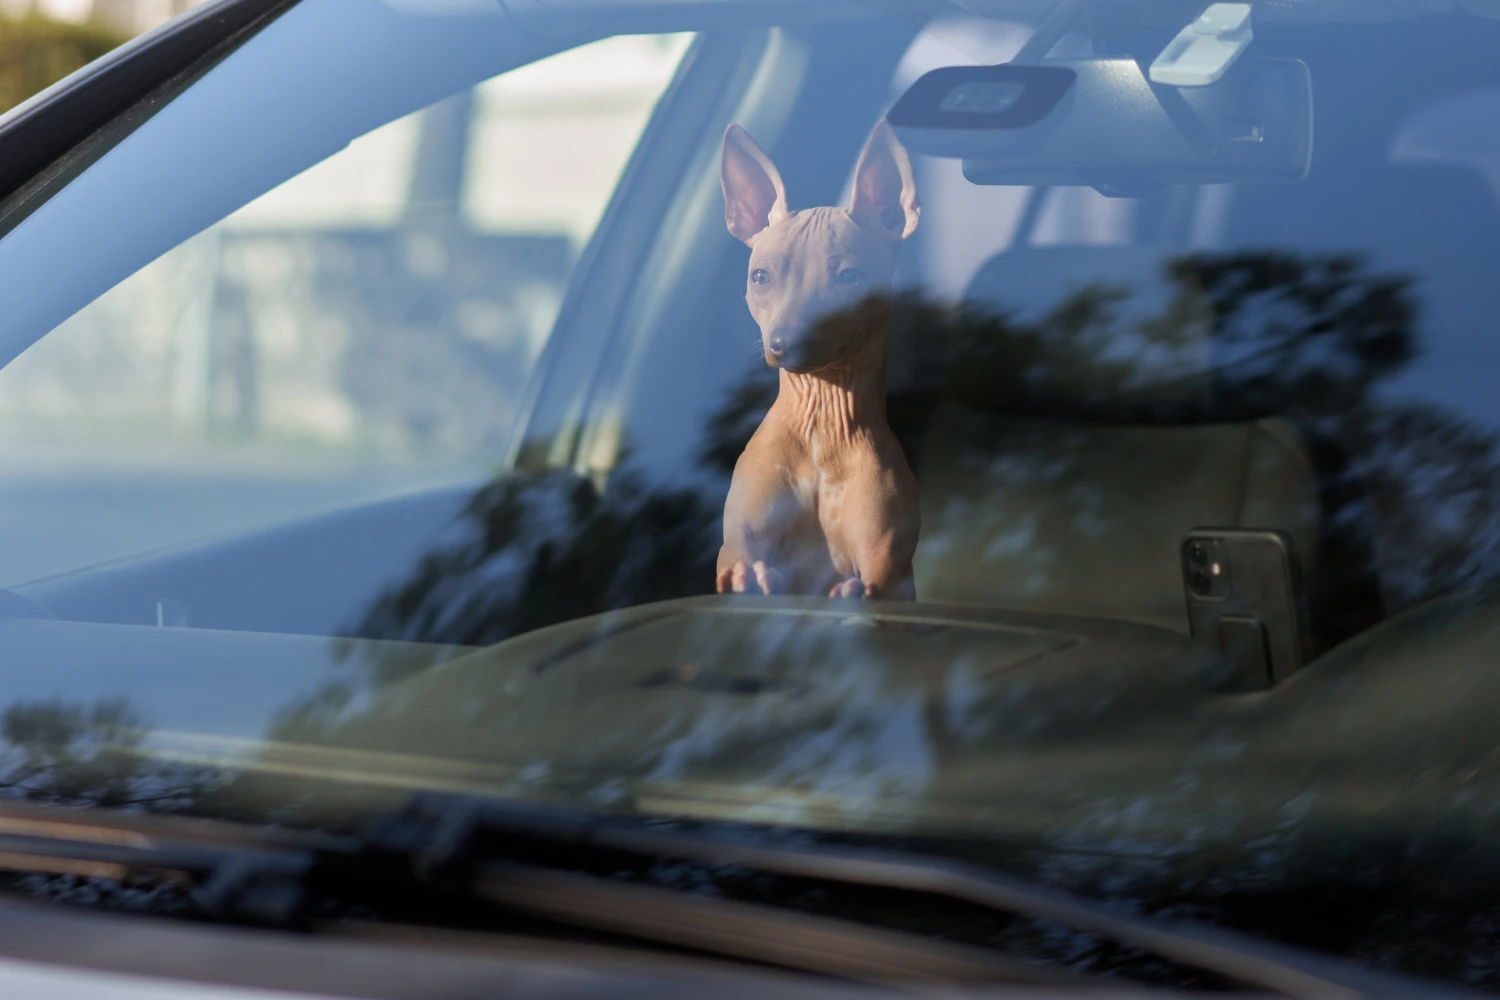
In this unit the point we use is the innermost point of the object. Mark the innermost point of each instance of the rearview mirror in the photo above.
(1101, 123)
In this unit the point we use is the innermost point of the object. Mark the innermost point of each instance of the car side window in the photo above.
(368, 324)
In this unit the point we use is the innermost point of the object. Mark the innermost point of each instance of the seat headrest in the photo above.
(1335, 285)
(1111, 332)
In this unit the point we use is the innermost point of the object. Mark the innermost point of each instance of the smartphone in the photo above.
(1245, 598)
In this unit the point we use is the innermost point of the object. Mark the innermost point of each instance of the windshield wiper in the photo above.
(445, 848)
(750, 931)
(268, 877)
(458, 833)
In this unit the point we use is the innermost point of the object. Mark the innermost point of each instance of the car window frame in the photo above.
(51, 138)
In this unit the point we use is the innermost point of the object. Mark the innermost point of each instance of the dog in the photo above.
(822, 500)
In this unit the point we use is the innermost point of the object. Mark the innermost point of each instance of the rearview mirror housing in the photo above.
(1101, 123)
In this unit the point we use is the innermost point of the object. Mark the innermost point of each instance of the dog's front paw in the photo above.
(749, 578)
(853, 587)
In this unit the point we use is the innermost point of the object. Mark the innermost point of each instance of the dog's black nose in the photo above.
(778, 345)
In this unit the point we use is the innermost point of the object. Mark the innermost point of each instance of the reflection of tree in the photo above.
(74, 754)
(1168, 797)
(1433, 486)
(77, 754)
(536, 551)
(1302, 337)
(1408, 491)
(1403, 490)
(1172, 799)
(1290, 334)
(1305, 337)
(1300, 334)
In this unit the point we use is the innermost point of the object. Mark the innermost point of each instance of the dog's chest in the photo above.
(825, 498)
(808, 537)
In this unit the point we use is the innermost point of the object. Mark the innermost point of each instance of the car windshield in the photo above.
(1018, 425)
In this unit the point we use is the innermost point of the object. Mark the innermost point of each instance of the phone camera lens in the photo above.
(1201, 584)
(1198, 554)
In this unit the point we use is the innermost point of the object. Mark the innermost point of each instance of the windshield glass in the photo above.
(703, 411)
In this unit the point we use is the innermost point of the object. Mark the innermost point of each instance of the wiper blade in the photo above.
(463, 848)
(441, 831)
(210, 858)
(266, 876)
(750, 931)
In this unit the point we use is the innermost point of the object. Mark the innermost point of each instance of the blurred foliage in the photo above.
(74, 753)
(36, 52)
(1304, 336)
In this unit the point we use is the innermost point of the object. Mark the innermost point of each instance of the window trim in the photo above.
(54, 136)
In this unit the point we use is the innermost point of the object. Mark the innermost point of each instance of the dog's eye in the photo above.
(759, 276)
(850, 276)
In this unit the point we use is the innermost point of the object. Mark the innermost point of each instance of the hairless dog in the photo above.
(822, 500)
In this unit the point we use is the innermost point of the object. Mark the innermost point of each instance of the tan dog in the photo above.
(822, 500)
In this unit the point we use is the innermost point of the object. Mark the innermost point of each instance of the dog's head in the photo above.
(807, 265)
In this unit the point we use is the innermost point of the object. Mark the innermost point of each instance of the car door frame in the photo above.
(49, 139)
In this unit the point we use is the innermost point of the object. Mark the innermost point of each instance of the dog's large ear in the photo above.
(885, 192)
(754, 197)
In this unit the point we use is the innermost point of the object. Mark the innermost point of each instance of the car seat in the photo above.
(1061, 501)
(1068, 485)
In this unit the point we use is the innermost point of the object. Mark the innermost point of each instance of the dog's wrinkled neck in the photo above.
(834, 405)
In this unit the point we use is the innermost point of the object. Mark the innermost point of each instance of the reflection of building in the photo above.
(129, 17)
(387, 302)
